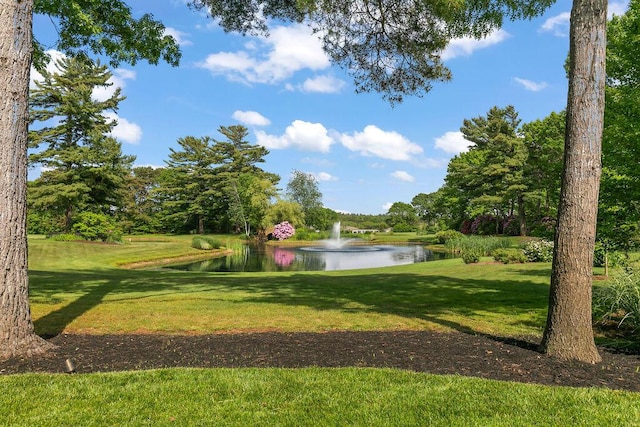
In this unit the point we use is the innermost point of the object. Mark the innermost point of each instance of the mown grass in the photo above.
(302, 397)
(78, 287)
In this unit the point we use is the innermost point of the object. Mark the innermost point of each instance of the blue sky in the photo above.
(365, 153)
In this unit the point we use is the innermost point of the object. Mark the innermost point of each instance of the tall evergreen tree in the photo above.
(491, 174)
(83, 166)
(187, 183)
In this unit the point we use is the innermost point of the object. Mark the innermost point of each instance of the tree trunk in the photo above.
(568, 333)
(522, 215)
(17, 336)
(200, 224)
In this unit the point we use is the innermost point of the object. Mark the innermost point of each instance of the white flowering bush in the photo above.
(283, 231)
(538, 250)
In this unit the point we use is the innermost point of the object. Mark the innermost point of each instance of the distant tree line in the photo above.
(207, 185)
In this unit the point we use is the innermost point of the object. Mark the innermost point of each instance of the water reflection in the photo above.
(269, 258)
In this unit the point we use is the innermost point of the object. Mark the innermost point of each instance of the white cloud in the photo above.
(117, 80)
(465, 46)
(51, 67)
(617, 8)
(323, 84)
(387, 206)
(179, 36)
(251, 118)
(453, 142)
(530, 85)
(373, 141)
(324, 176)
(403, 176)
(125, 130)
(302, 135)
(558, 25)
(288, 50)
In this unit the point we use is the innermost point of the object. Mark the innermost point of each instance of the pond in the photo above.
(271, 258)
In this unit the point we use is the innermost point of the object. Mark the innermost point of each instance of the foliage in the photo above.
(471, 255)
(205, 243)
(302, 188)
(544, 228)
(619, 301)
(602, 257)
(509, 256)
(305, 234)
(95, 226)
(85, 167)
(283, 230)
(476, 246)
(446, 235)
(141, 211)
(65, 237)
(106, 29)
(402, 217)
(217, 185)
(511, 226)
(538, 250)
(285, 210)
(485, 225)
(619, 202)
(39, 222)
(544, 140)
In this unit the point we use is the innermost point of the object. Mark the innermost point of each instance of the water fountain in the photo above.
(335, 243)
(334, 253)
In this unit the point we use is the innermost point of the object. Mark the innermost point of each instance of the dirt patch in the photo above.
(420, 351)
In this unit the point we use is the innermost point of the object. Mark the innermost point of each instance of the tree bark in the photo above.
(522, 216)
(17, 336)
(569, 332)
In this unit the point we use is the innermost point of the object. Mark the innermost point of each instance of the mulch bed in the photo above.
(420, 351)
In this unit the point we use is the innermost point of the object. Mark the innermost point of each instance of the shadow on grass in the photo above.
(429, 297)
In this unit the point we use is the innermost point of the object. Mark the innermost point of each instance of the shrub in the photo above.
(283, 230)
(205, 243)
(95, 226)
(538, 251)
(444, 236)
(484, 245)
(511, 226)
(509, 256)
(471, 256)
(465, 227)
(484, 225)
(64, 237)
(544, 228)
(619, 301)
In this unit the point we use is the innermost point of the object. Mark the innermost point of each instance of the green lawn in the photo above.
(78, 287)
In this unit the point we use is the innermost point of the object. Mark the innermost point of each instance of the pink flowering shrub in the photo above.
(284, 230)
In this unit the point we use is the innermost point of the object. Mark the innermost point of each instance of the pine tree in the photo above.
(82, 165)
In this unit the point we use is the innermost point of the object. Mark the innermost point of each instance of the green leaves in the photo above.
(106, 27)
